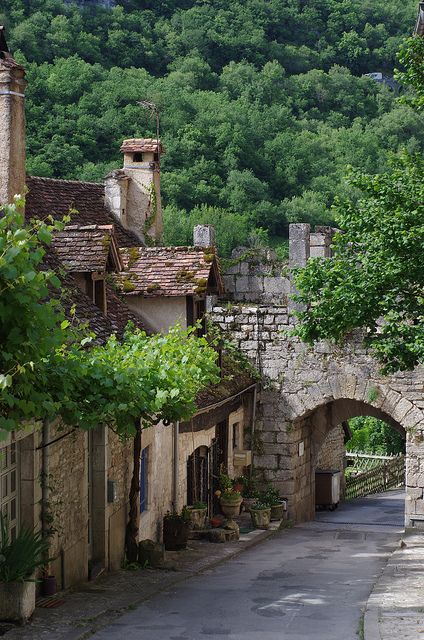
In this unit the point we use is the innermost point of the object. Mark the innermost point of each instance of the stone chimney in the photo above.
(133, 193)
(204, 235)
(12, 124)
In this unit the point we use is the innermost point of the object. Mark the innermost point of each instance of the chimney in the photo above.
(133, 193)
(204, 235)
(12, 124)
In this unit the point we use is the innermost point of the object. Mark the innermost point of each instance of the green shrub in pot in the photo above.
(19, 558)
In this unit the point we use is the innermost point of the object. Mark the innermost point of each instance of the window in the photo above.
(137, 157)
(144, 483)
(9, 487)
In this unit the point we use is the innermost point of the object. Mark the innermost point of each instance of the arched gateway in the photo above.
(309, 391)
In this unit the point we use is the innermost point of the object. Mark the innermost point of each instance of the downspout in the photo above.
(45, 481)
(176, 433)
(252, 427)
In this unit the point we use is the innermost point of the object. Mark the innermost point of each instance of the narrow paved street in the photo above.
(311, 581)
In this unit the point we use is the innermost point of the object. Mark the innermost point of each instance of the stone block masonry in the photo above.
(308, 392)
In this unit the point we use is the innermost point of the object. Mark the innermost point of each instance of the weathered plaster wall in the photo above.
(12, 131)
(68, 506)
(159, 439)
(159, 314)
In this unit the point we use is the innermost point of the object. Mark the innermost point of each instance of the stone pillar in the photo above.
(299, 252)
(12, 125)
(204, 235)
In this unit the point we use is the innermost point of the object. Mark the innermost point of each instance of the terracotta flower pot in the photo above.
(198, 517)
(277, 511)
(230, 508)
(248, 503)
(261, 517)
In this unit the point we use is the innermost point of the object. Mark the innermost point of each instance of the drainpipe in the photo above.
(252, 428)
(176, 433)
(45, 478)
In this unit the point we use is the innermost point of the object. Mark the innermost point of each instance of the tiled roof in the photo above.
(168, 271)
(235, 379)
(137, 145)
(118, 314)
(60, 197)
(87, 248)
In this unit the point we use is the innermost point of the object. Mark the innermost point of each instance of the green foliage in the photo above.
(373, 436)
(270, 496)
(32, 326)
(47, 369)
(21, 556)
(179, 516)
(259, 114)
(375, 278)
(147, 378)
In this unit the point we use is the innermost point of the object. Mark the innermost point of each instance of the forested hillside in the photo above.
(263, 102)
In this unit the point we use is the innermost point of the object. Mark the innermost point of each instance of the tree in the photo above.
(375, 278)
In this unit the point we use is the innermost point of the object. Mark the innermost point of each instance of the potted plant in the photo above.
(230, 501)
(229, 496)
(249, 491)
(260, 513)
(198, 512)
(19, 558)
(176, 529)
(272, 498)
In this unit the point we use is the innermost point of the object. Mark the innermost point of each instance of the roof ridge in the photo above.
(167, 248)
(98, 184)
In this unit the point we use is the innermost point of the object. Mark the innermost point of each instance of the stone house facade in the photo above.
(75, 484)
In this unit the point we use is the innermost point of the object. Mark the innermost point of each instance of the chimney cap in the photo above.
(140, 145)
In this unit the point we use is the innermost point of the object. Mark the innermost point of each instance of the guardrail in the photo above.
(388, 473)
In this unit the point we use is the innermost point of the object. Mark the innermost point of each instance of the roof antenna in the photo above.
(154, 112)
(3, 44)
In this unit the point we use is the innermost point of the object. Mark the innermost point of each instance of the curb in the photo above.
(372, 612)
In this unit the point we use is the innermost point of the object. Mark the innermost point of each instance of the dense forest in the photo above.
(263, 103)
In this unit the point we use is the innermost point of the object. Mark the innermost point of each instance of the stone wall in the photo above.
(257, 276)
(331, 456)
(307, 392)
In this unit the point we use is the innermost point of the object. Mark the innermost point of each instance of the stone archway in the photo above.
(312, 429)
(322, 384)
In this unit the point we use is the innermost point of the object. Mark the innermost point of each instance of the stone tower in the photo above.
(12, 124)
(133, 193)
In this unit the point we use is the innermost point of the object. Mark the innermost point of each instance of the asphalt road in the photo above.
(311, 581)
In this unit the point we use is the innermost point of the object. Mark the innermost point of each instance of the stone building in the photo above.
(75, 483)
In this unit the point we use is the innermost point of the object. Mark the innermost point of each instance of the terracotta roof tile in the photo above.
(87, 248)
(57, 198)
(137, 145)
(118, 314)
(168, 271)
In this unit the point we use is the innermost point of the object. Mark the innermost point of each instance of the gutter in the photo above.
(222, 402)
